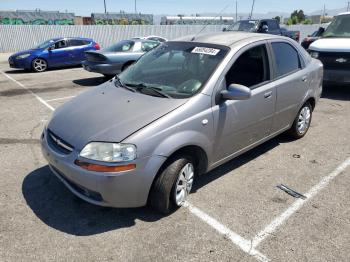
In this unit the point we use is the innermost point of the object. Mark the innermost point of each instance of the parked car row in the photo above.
(61, 52)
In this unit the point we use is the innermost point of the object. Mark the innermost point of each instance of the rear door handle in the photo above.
(268, 94)
(304, 79)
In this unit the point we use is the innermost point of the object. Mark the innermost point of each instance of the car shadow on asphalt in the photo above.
(92, 81)
(58, 208)
(22, 71)
(336, 92)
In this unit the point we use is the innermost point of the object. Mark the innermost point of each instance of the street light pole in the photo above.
(236, 11)
(104, 1)
(348, 9)
(251, 12)
(135, 8)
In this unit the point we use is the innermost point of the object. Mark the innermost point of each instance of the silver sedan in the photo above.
(181, 110)
(116, 58)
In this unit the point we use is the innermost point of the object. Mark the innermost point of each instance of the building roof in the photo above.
(226, 38)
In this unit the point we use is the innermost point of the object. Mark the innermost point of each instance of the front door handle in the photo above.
(304, 79)
(268, 94)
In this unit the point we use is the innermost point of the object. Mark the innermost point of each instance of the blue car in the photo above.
(57, 52)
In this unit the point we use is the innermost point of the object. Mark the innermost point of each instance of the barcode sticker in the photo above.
(205, 51)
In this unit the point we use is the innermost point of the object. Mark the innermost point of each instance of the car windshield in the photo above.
(45, 44)
(340, 27)
(122, 46)
(247, 26)
(174, 69)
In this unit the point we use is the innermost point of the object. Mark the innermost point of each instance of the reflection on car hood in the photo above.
(107, 113)
(331, 45)
(29, 51)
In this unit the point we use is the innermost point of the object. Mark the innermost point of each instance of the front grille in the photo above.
(81, 190)
(335, 60)
(58, 143)
(95, 57)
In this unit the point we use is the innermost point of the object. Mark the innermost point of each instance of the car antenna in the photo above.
(205, 25)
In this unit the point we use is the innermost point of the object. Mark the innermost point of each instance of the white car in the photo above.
(333, 49)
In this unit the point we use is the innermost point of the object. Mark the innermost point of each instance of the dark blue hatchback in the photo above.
(57, 52)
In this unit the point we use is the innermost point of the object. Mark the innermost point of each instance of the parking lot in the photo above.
(235, 213)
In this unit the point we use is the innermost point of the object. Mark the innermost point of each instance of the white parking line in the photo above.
(31, 92)
(278, 221)
(242, 243)
(60, 98)
(52, 81)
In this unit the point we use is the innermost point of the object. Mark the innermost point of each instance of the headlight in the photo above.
(22, 56)
(109, 152)
(314, 54)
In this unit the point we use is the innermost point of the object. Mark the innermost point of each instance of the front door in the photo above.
(239, 124)
(60, 55)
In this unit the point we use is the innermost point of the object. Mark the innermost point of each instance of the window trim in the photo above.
(243, 50)
(273, 60)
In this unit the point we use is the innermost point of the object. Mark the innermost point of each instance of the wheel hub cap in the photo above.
(39, 65)
(184, 184)
(304, 120)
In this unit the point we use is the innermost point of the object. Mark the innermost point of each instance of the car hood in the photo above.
(107, 113)
(331, 45)
(29, 51)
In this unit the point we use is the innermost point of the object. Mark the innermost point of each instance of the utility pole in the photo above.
(135, 7)
(251, 12)
(236, 11)
(104, 1)
(348, 9)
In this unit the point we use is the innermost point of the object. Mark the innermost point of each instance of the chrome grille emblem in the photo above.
(341, 60)
(60, 143)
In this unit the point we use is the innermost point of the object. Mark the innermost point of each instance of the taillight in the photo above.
(96, 46)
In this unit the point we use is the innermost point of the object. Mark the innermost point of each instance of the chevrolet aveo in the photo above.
(183, 109)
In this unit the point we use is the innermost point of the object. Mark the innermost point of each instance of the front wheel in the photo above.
(39, 65)
(302, 122)
(173, 185)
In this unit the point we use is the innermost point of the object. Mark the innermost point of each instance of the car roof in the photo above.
(227, 38)
(77, 38)
(345, 13)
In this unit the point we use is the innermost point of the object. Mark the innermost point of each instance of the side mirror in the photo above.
(236, 92)
(51, 47)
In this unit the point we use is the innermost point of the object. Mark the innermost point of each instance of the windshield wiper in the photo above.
(119, 83)
(143, 87)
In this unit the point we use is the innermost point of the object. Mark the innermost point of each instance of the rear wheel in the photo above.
(302, 122)
(173, 185)
(39, 65)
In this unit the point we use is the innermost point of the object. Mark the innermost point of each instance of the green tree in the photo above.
(278, 18)
(298, 15)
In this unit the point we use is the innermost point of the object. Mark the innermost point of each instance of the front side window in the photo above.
(286, 57)
(60, 44)
(250, 69)
(178, 69)
(122, 46)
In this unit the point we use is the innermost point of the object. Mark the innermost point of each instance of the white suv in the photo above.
(333, 49)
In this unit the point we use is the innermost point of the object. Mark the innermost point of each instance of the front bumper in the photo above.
(122, 189)
(20, 63)
(337, 76)
(105, 69)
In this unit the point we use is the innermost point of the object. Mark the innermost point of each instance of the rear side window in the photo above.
(287, 59)
(272, 25)
(147, 46)
(122, 46)
(76, 42)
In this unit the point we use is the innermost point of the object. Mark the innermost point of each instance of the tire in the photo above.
(302, 122)
(165, 195)
(39, 65)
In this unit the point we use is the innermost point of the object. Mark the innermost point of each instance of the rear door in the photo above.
(291, 81)
(240, 124)
(78, 47)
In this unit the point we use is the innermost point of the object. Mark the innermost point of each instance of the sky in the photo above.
(171, 7)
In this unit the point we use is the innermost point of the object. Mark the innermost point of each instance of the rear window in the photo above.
(286, 57)
(122, 46)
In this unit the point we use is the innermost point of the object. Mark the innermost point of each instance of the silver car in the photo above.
(116, 58)
(183, 109)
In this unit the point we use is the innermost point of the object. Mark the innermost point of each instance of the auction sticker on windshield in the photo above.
(205, 51)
